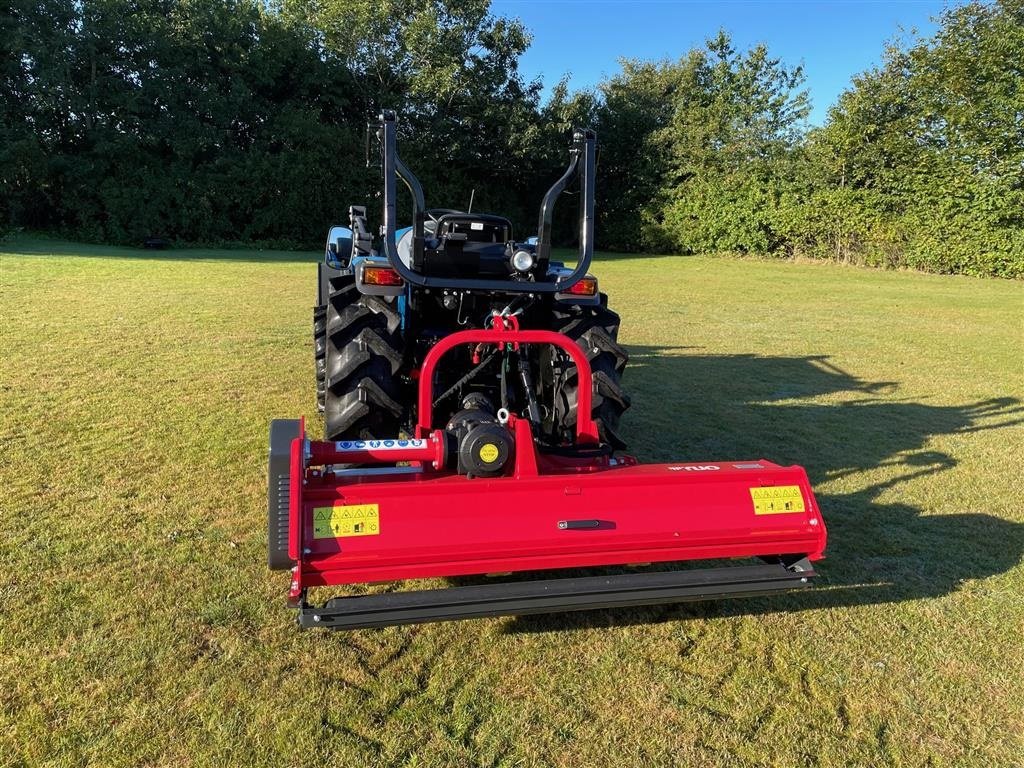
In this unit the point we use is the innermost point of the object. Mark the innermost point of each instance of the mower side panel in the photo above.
(283, 432)
(450, 525)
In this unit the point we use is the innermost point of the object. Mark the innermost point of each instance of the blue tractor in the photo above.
(382, 303)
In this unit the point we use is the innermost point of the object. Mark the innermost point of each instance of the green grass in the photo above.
(140, 626)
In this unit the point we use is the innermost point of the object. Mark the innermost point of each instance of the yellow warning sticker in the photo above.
(351, 520)
(488, 452)
(777, 499)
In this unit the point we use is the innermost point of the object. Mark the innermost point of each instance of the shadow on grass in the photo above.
(43, 246)
(746, 407)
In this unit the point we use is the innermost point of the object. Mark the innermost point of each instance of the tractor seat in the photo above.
(460, 244)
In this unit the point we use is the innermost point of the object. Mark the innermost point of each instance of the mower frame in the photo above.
(548, 512)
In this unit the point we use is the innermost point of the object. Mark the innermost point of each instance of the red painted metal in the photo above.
(586, 430)
(526, 450)
(448, 525)
(430, 449)
(438, 523)
(507, 323)
(296, 475)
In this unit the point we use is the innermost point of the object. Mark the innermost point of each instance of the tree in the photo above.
(243, 121)
(922, 162)
(701, 148)
(450, 69)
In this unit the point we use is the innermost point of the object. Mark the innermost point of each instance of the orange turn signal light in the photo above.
(381, 276)
(587, 286)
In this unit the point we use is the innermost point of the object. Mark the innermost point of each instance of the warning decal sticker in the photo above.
(342, 521)
(777, 499)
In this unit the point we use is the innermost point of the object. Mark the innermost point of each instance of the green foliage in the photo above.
(921, 163)
(730, 143)
(449, 70)
(218, 121)
(222, 121)
(634, 165)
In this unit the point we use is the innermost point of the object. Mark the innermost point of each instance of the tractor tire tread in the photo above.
(320, 352)
(595, 329)
(363, 356)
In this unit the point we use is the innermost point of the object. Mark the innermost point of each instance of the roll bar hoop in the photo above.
(582, 157)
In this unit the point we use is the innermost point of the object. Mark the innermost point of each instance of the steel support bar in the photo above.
(583, 160)
(586, 430)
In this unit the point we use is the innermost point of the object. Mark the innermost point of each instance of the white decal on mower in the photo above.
(377, 445)
(695, 468)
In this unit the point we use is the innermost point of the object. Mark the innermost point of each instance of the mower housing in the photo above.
(404, 512)
(471, 388)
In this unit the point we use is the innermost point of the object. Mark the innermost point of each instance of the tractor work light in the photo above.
(585, 287)
(522, 261)
(381, 276)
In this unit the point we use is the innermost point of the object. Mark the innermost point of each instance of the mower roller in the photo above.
(497, 372)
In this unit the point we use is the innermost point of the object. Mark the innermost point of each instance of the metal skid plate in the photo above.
(562, 594)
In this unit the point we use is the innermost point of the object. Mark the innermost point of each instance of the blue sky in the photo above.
(833, 40)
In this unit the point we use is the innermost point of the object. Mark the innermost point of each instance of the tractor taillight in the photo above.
(381, 276)
(585, 287)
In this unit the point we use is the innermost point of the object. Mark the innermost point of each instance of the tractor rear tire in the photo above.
(320, 352)
(595, 329)
(363, 355)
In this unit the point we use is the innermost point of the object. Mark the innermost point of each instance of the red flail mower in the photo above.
(423, 474)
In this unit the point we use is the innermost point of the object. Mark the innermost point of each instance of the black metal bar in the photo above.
(282, 432)
(585, 145)
(578, 525)
(587, 184)
(529, 392)
(419, 207)
(547, 206)
(552, 595)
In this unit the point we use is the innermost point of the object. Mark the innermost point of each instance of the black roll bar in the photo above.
(583, 147)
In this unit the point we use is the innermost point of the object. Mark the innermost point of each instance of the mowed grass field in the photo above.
(140, 626)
